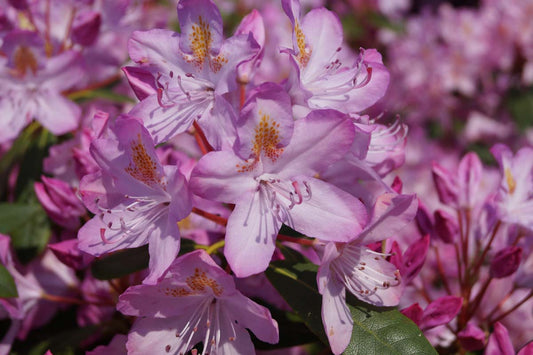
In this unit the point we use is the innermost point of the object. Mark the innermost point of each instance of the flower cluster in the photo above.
(227, 188)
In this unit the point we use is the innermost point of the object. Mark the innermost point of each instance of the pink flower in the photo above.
(323, 76)
(515, 195)
(195, 301)
(32, 85)
(270, 178)
(363, 272)
(192, 71)
(135, 199)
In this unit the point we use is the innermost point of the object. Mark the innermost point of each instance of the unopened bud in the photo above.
(505, 262)
(472, 338)
(446, 185)
(446, 226)
(86, 27)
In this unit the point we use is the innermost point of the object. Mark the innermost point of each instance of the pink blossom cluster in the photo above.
(458, 65)
(214, 156)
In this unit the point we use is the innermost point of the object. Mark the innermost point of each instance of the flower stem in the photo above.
(301, 241)
(506, 313)
(215, 246)
(201, 139)
(210, 216)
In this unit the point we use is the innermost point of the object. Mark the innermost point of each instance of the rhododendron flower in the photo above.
(195, 301)
(32, 84)
(325, 78)
(363, 272)
(192, 71)
(515, 196)
(270, 178)
(135, 199)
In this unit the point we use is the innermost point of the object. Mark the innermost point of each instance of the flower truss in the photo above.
(241, 185)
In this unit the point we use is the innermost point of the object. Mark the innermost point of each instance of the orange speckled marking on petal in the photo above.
(24, 60)
(304, 52)
(266, 141)
(510, 180)
(201, 40)
(197, 284)
(142, 167)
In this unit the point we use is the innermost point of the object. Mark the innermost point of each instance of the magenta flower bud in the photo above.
(499, 341)
(423, 220)
(414, 312)
(86, 27)
(441, 311)
(446, 226)
(60, 202)
(19, 4)
(414, 258)
(68, 253)
(468, 178)
(446, 185)
(505, 262)
(472, 338)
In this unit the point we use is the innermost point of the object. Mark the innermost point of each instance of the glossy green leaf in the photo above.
(376, 331)
(8, 289)
(28, 227)
(120, 263)
(295, 284)
(379, 331)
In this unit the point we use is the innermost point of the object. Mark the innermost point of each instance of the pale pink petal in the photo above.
(323, 32)
(157, 48)
(165, 122)
(319, 140)
(217, 177)
(162, 336)
(390, 214)
(56, 113)
(330, 214)
(160, 301)
(91, 240)
(252, 316)
(330, 253)
(250, 235)
(336, 316)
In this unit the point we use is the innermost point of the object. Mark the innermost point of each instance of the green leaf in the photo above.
(8, 289)
(294, 283)
(520, 104)
(120, 263)
(28, 227)
(105, 94)
(384, 331)
(376, 330)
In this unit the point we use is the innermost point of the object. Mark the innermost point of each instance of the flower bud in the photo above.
(505, 262)
(86, 27)
(441, 311)
(446, 226)
(59, 202)
(414, 312)
(414, 258)
(472, 338)
(446, 185)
